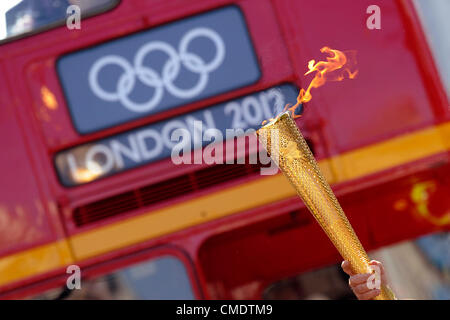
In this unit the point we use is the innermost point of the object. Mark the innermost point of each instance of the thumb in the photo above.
(347, 268)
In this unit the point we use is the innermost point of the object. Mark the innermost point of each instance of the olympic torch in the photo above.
(287, 147)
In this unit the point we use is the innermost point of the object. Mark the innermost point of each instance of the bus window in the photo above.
(434, 16)
(163, 278)
(328, 283)
(20, 17)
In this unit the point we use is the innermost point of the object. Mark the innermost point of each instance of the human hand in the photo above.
(362, 284)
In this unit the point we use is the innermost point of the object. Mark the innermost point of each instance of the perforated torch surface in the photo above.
(285, 144)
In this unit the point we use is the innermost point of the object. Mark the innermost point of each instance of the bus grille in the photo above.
(161, 191)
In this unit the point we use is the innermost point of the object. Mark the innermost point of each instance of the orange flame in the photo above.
(337, 67)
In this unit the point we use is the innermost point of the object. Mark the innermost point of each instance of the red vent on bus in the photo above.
(161, 191)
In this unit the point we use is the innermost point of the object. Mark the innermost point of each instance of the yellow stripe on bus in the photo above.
(391, 153)
(347, 166)
(34, 261)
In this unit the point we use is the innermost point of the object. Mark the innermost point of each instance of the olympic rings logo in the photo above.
(151, 78)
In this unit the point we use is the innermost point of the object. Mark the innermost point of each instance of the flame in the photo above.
(339, 65)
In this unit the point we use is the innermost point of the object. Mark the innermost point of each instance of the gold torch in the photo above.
(286, 146)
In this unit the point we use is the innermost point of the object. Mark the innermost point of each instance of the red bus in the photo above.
(74, 99)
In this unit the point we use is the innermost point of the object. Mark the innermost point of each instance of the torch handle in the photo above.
(289, 150)
(386, 294)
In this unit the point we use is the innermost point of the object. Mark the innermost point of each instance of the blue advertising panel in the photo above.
(158, 69)
(155, 141)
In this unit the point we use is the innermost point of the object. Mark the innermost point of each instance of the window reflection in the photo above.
(22, 16)
(164, 278)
